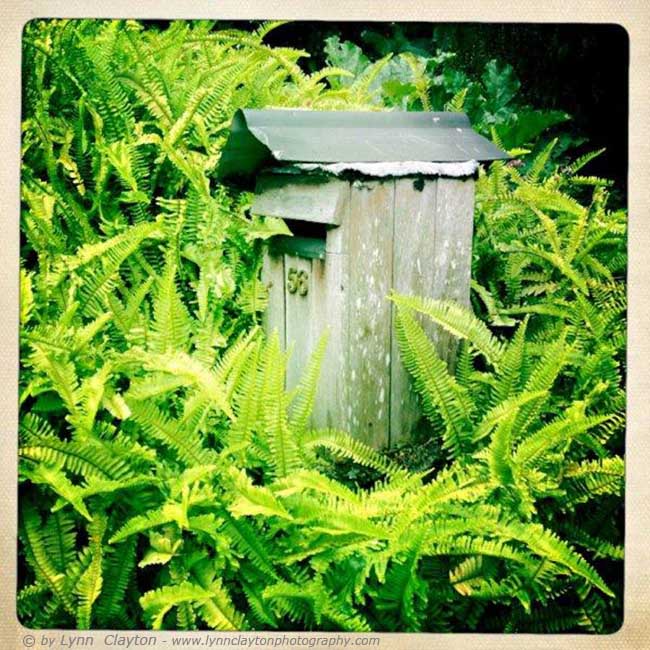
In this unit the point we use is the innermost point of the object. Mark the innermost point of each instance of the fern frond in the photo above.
(457, 320)
(539, 162)
(169, 513)
(59, 483)
(456, 103)
(500, 459)
(304, 403)
(92, 458)
(511, 366)
(61, 373)
(344, 446)
(282, 444)
(532, 449)
(254, 500)
(119, 566)
(90, 584)
(38, 556)
(171, 327)
(59, 538)
(600, 548)
(157, 603)
(578, 164)
(246, 540)
(189, 448)
(439, 391)
(587, 480)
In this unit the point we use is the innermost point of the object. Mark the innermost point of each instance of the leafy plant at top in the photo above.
(412, 78)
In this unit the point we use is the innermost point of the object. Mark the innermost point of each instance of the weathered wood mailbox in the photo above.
(376, 201)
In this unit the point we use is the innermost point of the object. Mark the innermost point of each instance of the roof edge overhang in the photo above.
(259, 138)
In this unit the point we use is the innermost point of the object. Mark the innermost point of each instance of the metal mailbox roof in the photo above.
(261, 137)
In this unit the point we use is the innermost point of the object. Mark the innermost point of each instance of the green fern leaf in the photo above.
(457, 320)
(90, 584)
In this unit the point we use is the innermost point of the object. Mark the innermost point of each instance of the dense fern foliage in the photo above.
(168, 477)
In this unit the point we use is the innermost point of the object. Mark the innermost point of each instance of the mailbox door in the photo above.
(301, 320)
(307, 299)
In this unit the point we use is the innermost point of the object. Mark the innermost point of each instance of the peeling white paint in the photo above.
(406, 168)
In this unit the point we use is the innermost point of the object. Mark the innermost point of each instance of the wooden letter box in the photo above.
(376, 202)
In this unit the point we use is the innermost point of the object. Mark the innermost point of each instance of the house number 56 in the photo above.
(298, 281)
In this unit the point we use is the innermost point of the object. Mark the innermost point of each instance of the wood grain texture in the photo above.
(432, 258)
(454, 223)
(330, 313)
(302, 320)
(413, 273)
(273, 318)
(452, 250)
(391, 236)
(338, 237)
(371, 235)
(317, 201)
(299, 320)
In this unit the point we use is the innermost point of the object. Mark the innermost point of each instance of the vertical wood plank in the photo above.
(454, 225)
(370, 250)
(413, 274)
(391, 236)
(329, 312)
(273, 276)
(331, 309)
(453, 250)
(338, 238)
(299, 322)
(432, 258)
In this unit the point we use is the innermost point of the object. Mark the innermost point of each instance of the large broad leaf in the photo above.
(501, 85)
(397, 93)
(346, 55)
(527, 126)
